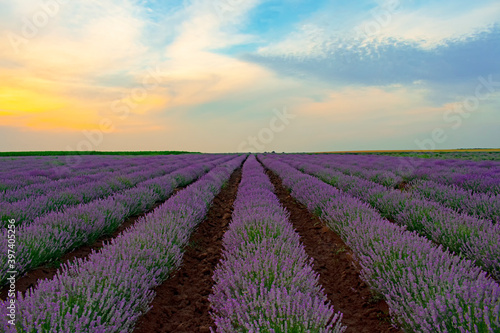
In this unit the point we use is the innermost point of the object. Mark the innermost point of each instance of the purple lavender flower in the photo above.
(110, 290)
(265, 281)
(427, 288)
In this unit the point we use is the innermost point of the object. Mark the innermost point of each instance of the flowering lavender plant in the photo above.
(473, 238)
(50, 236)
(265, 281)
(427, 288)
(109, 291)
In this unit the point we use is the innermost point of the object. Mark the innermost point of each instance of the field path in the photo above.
(338, 274)
(181, 302)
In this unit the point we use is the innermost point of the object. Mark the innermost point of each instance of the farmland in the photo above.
(250, 243)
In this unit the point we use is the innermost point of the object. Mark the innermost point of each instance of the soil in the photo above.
(337, 269)
(403, 186)
(181, 303)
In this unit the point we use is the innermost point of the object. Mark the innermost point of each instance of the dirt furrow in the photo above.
(339, 275)
(181, 302)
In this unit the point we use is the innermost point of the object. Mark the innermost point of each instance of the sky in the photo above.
(249, 75)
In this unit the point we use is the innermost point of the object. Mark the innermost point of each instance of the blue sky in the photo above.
(233, 75)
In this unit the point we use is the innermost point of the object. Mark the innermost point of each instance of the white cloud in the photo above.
(427, 27)
(212, 24)
(88, 40)
(78, 39)
(197, 72)
(430, 26)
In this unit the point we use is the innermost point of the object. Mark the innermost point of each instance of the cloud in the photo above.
(391, 61)
(167, 77)
(79, 39)
(434, 23)
(390, 42)
(91, 58)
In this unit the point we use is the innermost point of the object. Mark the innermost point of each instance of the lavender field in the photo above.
(124, 244)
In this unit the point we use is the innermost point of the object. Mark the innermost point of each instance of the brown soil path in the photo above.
(339, 275)
(181, 302)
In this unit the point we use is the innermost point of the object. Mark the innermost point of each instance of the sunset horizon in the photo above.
(249, 75)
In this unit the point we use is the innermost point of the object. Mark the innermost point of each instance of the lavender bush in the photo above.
(25, 211)
(265, 281)
(92, 174)
(481, 205)
(478, 204)
(49, 237)
(474, 176)
(476, 239)
(19, 172)
(109, 291)
(427, 288)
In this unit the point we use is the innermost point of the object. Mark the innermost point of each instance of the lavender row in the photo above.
(460, 166)
(380, 176)
(473, 238)
(399, 169)
(25, 211)
(70, 182)
(92, 174)
(473, 176)
(32, 174)
(112, 288)
(48, 238)
(20, 164)
(475, 179)
(48, 166)
(427, 288)
(38, 189)
(481, 205)
(478, 155)
(265, 281)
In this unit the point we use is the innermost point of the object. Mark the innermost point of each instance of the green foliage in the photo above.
(55, 264)
(125, 181)
(317, 211)
(339, 250)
